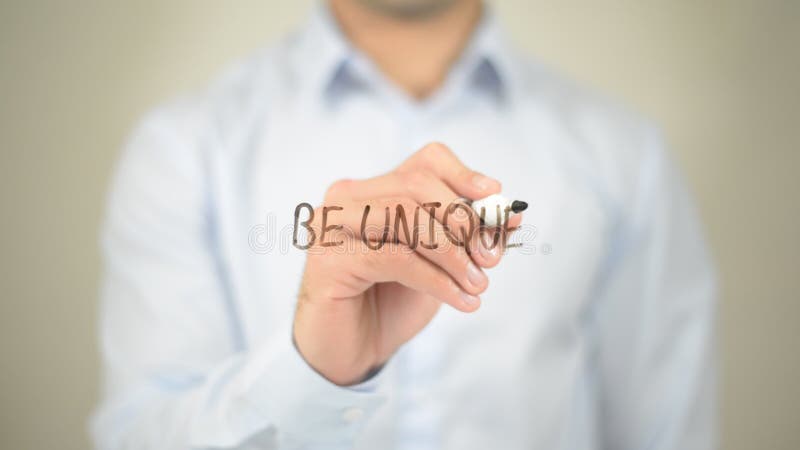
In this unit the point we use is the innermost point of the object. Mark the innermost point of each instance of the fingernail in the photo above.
(470, 300)
(475, 275)
(482, 182)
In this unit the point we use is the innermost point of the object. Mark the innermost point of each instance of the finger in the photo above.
(488, 243)
(398, 263)
(425, 188)
(409, 224)
(441, 161)
(421, 186)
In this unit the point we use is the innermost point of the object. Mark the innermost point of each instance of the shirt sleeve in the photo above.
(177, 373)
(655, 320)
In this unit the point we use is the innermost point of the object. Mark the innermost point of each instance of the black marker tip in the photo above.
(518, 206)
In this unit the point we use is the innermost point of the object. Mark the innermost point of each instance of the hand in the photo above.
(358, 305)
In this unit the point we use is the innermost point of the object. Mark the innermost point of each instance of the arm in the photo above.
(177, 374)
(655, 321)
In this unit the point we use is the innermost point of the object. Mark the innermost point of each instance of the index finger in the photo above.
(438, 159)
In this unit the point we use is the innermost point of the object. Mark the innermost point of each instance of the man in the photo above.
(216, 333)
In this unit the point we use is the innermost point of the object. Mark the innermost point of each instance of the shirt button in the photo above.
(351, 415)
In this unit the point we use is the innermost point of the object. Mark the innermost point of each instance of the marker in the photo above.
(491, 202)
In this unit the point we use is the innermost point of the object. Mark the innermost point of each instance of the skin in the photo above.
(356, 306)
(409, 9)
(415, 51)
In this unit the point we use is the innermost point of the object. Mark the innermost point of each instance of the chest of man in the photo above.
(525, 349)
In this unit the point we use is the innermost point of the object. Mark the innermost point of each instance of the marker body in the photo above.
(491, 203)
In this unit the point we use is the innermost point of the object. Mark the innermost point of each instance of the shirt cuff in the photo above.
(303, 405)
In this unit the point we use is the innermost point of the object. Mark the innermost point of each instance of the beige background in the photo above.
(721, 77)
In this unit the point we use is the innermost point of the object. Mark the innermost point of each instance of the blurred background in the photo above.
(722, 78)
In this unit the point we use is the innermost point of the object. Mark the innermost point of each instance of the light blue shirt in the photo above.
(596, 333)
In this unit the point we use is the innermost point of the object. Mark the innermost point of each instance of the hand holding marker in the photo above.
(355, 309)
(493, 207)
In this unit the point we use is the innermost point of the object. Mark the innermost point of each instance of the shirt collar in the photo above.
(329, 64)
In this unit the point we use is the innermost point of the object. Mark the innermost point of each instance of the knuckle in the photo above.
(337, 189)
(438, 148)
(434, 150)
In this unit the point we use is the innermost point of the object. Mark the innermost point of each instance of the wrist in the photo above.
(327, 358)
